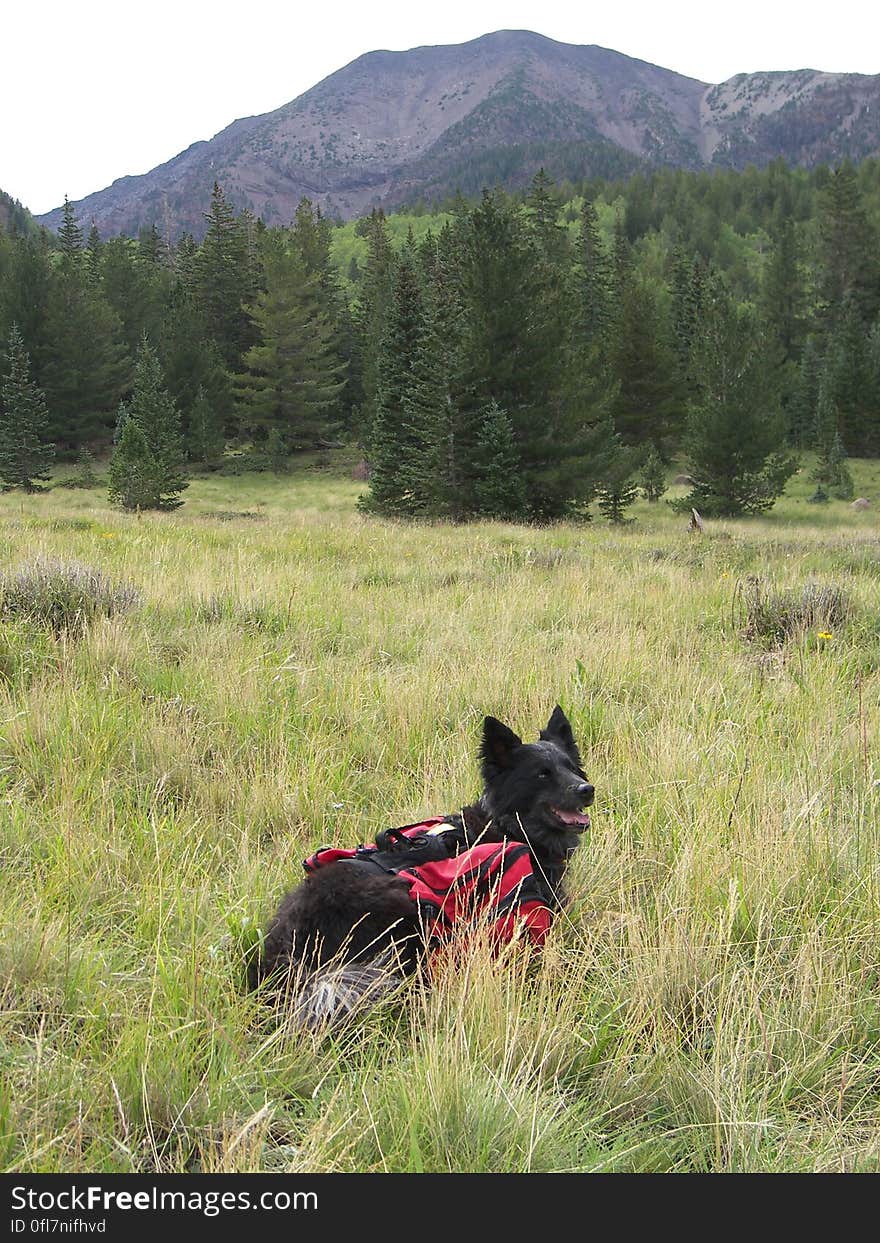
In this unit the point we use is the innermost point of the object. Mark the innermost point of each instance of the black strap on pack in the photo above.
(396, 850)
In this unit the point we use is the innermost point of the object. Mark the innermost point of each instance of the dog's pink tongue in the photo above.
(572, 817)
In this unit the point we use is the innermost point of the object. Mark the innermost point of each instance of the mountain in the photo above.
(394, 127)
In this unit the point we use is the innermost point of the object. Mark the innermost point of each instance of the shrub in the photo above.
(65, 596)
(775, 616)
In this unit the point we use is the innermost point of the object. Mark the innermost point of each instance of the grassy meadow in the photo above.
(295, 674)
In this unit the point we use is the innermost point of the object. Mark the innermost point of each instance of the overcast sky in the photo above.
(99, 89)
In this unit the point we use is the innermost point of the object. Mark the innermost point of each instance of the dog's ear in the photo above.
(497, 748)
(559, 731)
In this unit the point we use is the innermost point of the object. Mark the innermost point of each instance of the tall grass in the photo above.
(711, 999)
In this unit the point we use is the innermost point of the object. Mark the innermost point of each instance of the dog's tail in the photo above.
(326, 998)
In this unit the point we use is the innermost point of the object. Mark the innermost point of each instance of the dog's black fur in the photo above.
(350, 931)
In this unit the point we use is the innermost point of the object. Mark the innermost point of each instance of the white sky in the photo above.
(96, 90)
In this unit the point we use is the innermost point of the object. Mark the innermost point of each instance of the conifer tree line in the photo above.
(528, 355)
(166, 355)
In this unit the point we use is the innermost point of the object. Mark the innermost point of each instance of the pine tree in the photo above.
(205, 440)
(151, 248)
(848, 373)
(590, 389)
(649, 405)
(24, 296)
(639, 213)
(735, 434)
(440, 420)
(850, 267)
(192, 361)
(294, 376)
(87, 367)
(226, 280)
(507, 361)
(430, 473)
(151, 406)
(396, 450)
(277, 451)
(134, 473)
(90, 368)
(783, 297)
(159, 473)
(873, 386)
(687, 305)
(185, 262)
(783, 312)
(542, 221)
(831, 471)
(515, 348)
(69, 234)
(804, 400)
(500, 489)
(24, 455)
(85, 476)
(553, 480)
(135, 289)
(311, 234)
(618, 487)
(93, 255)
(653, 476)
(621, 256)
(370, 319)
(592, 313)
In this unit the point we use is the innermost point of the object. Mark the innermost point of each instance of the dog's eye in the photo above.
(545, 773)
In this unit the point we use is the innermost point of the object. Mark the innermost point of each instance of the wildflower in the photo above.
(825, 634)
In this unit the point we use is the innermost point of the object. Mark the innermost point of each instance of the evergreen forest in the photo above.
(513, 356)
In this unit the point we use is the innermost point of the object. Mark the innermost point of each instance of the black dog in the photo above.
(365, 918)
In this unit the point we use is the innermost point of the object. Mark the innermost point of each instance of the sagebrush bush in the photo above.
(775, 616)
(66, 596)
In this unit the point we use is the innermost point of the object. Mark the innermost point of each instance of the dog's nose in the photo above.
(586, 793)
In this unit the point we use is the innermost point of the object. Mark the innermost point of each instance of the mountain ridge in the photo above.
(392, 127)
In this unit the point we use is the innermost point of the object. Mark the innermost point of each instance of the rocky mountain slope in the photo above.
(393, 127)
